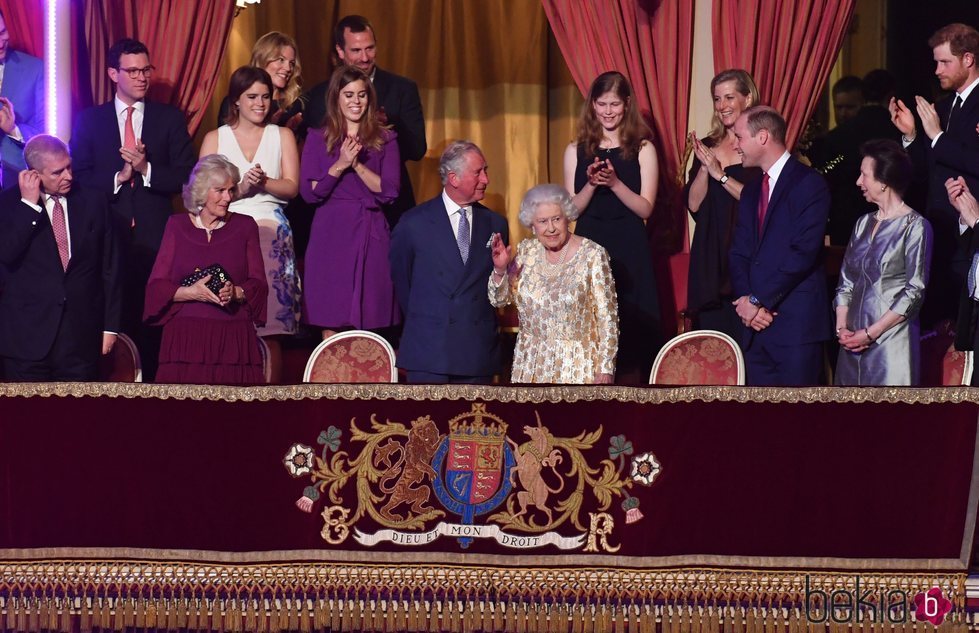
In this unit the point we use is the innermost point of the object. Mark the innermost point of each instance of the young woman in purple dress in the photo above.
(348, 170)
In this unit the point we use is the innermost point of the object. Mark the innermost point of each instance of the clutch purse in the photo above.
(218, 277)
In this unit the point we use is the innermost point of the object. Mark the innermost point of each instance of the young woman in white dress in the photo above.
(268, 159)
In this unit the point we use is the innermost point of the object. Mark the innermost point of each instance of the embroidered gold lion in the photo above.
(532, 457)
(410, 469)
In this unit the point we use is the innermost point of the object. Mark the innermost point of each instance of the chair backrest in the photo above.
(956, 367)
(700, 357)
(508, 319)
(122, 364)
(934, 346)
(263, 347)
(352, 356)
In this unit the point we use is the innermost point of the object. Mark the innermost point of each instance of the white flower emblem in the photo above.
(299, 460)
(645, 469)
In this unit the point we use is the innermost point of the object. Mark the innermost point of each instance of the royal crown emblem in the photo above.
(475, 458)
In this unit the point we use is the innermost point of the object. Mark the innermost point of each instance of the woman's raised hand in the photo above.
(500, 253)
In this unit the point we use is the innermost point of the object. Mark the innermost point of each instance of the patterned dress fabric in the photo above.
(569, 322)
(274, 231)
(622, 233)
(886, 271)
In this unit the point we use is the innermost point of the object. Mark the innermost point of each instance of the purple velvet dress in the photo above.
(348, 278)
(204, 343)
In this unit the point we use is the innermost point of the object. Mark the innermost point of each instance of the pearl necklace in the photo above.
(200, 225)
(560, 262)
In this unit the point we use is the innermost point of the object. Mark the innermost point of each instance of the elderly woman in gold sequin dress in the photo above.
(564, 292)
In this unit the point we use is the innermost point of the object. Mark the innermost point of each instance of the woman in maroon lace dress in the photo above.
(209, 337)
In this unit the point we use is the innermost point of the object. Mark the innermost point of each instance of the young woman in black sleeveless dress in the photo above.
(611, 170)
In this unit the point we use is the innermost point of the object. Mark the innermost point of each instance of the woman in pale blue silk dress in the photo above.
(883, 278)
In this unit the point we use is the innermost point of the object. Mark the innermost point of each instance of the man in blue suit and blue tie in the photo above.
(775, 262)
(440, 264)
(21, 105)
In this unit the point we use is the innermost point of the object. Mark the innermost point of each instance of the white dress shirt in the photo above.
(453, 210)
(122, 114)
(963, 96)
(775, 171)
(49, 207)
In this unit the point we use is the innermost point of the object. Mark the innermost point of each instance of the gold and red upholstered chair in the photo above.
(122, 364)
(956, 368)
(508, 319)
(941, 363)
(353, 356)
(700, 357)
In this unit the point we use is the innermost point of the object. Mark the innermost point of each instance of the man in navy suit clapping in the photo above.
(137, 152)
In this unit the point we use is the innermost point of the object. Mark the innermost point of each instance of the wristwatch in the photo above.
(723, 179)
(753, 300)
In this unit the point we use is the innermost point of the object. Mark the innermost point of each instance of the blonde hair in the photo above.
(210, 170)
(268, 48)
(744, 84)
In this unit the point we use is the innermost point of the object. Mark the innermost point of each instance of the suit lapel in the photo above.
(962, 117)
(477, 243)
(750, 198)
(147, 135)
(381, 86)
(11, 72)
(111, 127)
(443, 237)
(52, 247)
(48, 233)
(782, 185)
(77, 226)
(108, 127)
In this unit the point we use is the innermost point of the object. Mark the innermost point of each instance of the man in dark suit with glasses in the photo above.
(139, 153)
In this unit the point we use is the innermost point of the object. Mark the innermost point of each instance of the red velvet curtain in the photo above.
(187, 53)
(788, 46)
(651, 43)
(25, 24)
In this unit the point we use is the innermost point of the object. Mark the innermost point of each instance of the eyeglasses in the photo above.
(136, 72)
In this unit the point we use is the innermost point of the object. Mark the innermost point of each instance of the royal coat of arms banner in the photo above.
(441, 508)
